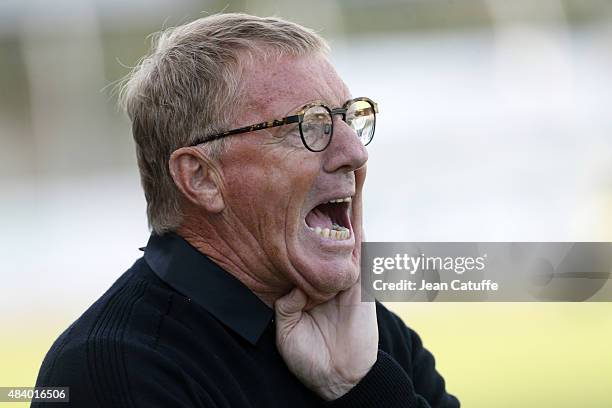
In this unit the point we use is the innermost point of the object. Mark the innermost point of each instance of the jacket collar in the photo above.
(193, 274)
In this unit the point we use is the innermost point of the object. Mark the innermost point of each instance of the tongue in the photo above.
(318, 218)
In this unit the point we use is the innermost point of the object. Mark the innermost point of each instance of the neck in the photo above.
(243, 261)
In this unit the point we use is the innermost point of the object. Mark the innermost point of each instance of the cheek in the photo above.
(268, 188)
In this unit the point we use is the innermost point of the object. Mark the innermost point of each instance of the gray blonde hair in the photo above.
(188, 87)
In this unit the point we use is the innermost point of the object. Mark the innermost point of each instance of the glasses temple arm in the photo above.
(251, 128)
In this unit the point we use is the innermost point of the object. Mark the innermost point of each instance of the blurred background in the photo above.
(495, 125)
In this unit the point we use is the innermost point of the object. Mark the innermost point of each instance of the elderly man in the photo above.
(252, 155)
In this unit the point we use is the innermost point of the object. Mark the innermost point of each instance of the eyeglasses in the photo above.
(316, 123)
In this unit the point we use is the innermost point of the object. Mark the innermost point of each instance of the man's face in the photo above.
(278, 193)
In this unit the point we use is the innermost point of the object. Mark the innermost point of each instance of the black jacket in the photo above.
(175, 330)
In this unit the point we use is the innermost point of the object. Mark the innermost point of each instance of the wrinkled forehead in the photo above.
(277, 87)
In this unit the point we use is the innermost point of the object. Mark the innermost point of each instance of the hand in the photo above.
(330, 347)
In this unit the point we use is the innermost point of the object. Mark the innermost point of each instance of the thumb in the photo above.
(289, 307)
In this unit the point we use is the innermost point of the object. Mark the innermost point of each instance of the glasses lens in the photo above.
(360, 116)
(317, 128)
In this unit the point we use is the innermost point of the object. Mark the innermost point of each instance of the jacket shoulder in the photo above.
(90, 356)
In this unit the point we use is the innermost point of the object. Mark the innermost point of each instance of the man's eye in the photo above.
(323, 128)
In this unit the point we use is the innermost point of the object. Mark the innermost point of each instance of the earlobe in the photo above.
(197, 177)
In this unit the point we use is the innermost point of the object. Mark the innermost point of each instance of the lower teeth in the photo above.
(337, 232)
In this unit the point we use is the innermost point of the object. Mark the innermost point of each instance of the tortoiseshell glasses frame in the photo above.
(299, 118)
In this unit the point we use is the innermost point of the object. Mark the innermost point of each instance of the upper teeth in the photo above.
(340, 200)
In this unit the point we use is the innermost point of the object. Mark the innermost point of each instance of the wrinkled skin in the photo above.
(247, 212)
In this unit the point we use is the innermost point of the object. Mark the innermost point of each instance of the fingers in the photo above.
(360, 175)
(291, 305)
(356, 212)
(288, 310)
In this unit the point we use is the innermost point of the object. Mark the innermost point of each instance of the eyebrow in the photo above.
(314, 102)
(295, 110)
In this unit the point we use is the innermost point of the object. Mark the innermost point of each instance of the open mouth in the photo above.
(331, 219)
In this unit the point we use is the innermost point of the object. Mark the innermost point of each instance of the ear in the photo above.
(197, 177)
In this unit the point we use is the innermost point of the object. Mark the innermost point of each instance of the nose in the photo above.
(346, 152)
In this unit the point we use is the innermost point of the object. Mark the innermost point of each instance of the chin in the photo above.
(326, 274)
